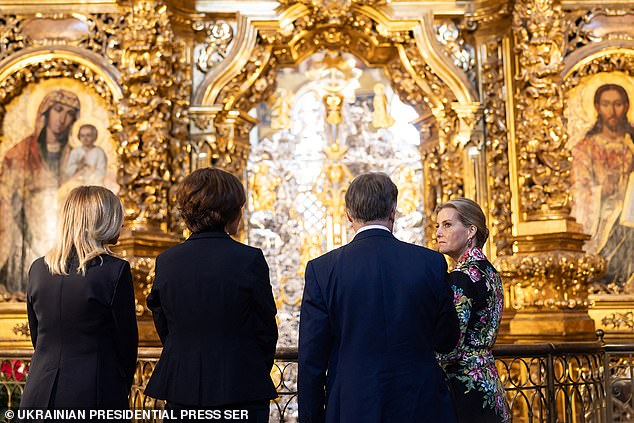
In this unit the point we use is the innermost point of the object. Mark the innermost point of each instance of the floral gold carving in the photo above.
(553, 280)
(11, 37)
(599, 24)
(105, 36)
(22, 329)
(462, 53)
(619, 320)
(142, 278)
(621, 60)
(145, 113)
(497, 146)
(102, 38)
(539, 27)
(218, 36)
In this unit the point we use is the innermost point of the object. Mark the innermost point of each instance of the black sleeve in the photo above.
(447, 331)
(315, 343)
(31, 312)
(154, 304)
(265, 326)
(126, 332)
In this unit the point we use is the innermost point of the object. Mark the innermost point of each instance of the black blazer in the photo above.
(84, 332)
(372, 315)
(214, 311)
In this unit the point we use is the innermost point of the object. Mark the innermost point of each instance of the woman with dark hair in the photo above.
(80, 303)
(213, 308)
(479, 299)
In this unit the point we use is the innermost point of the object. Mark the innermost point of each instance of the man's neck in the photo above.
(389, 224)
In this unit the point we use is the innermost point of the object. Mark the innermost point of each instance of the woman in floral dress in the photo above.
(478, 392)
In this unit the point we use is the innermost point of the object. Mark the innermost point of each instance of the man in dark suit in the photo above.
(373, 313)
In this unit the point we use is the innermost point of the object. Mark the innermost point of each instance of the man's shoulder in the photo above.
(326, 258)
(423, 252)
(393, 246)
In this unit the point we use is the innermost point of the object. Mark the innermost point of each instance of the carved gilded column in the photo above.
(428, 130)
(549, 271)
(491, 33)
(145, 115)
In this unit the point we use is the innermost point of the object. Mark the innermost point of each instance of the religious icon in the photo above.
(87, 163)
(602, 165)
(45, 152)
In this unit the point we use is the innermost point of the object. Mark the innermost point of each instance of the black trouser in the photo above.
(244, 412)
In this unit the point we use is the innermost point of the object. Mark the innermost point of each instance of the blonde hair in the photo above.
(469, 213)
(90, 220)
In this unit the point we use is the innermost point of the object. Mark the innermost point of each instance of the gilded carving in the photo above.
(11, 37)
(101, 34)
(433, 188)
(145, 112)
(179, 158)
(483, 16)
(22, 329)
(497, 147)
(553, 280)
(462, 53)
(142, 278)
(333, 11)
(540, 32)
(599, 24)
(621, 60)
(230, 145)
(105, 36)
(259, 76)
(218, 35)
(618, 320)
(317, 26)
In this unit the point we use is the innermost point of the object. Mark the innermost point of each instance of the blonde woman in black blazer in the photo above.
(213, 308)
(80, 304)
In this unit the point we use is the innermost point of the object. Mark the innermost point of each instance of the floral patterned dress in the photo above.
(479, 299)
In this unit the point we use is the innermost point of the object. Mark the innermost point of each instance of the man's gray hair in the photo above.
(371, 196)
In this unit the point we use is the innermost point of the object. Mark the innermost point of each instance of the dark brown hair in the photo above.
(371, 196)
(469, 213)
(209, 199)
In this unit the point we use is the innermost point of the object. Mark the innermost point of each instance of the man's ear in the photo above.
(348, 216)
(392, 216)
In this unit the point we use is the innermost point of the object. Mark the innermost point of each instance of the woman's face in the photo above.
(60, 117)
(452, 235)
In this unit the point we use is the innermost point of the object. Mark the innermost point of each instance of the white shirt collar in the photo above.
(365, 228)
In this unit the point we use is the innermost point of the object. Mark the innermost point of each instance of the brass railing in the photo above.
(547, 383)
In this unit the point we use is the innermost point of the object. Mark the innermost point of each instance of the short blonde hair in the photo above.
(90, 220)
(469, 213)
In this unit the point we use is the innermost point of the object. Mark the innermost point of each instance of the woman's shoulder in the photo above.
(108, 261)
(39, 265)
(475, 271)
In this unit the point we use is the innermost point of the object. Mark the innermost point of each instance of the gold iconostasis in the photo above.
(523, 106)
